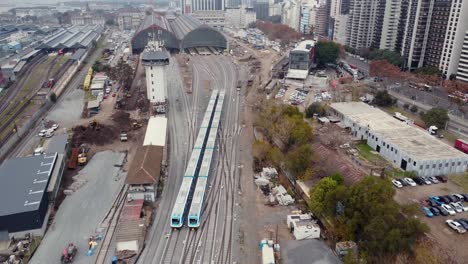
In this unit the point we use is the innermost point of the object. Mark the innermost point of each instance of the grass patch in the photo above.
(36, 241)
(461, 180)
(367, 153)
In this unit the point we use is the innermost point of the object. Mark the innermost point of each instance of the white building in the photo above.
(454, 37)
(88, 20)
(339, 32)
(462, 73)
(303, 226)
(301, 60)
(213, 18)
(389, 25)
(405, 146)
(155, 59)
(130, 19)
(240, 17)
(275, 9)
(291, 14)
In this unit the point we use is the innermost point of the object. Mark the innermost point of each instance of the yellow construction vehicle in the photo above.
(136, 125)
(82, 158)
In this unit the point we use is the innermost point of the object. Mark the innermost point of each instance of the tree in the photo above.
(326, 52)
(123, 73)
(435, 117)
(382, 68)
(315, 108)
(383, 98)
(387, 55)
(406, 106)
(97, 66)
(299, 160)
(428, 70)
(53, 97)
(318, 194)
(413, 109)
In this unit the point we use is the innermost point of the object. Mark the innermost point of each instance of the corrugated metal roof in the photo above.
(156, 132)
(131, 210)
(78, 54)
(183, 24)
(24, 182)
(146, 165)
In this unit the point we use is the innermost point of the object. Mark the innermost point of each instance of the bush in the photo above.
(406, 106)
(413, 109)
(383, 98)
(435, 117)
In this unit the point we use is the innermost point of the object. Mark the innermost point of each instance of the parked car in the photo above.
(427, 212)
(465, 220)
(442, 210)
(459, 197)
(456, 207)
(444, 199)
(442, 178)
(465, 196)
(397, 183)
(462, 206)
(410, 181)
(435, 211)
(449, 209)
(455, 226)
(426, 181)
(436, 200)
(418, 180)
(462, 223)
(453, 198)
(403, 182)
(54, 127)
(430, 203)
(434, 180)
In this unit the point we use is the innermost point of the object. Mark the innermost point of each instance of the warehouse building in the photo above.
(24, 191)
(405, 146)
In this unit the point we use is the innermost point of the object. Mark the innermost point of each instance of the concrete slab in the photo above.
(81, 212)
(308, 251)
(69, 110)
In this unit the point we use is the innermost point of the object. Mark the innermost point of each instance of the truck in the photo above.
(461, 145)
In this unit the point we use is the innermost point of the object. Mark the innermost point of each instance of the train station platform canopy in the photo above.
(178, 32)
(74, 37)
(154, 27)
(192, 33)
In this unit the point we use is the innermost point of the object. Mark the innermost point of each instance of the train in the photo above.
(185, 194)
(195, 212)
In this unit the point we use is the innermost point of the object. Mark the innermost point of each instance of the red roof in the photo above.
(131, 210)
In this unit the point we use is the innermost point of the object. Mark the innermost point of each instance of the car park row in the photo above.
(399, 183)
(445, 205)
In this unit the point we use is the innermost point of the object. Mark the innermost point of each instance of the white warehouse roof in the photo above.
(414, 141)
(156, 132)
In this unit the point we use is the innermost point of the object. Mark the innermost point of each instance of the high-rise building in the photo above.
(454, 38)
(438, 27)
(261, 9)
(386, 24)
(291, 14)
(321, 21)
(202, 5)
(462, 72)
(416, 33)
(361, 23)
(339, 33)
(233, 3)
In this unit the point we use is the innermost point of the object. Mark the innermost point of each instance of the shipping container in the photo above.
(461, 145)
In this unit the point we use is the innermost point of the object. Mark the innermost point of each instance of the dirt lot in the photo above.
(454, 243)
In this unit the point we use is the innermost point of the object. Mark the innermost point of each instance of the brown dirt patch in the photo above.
(86, 135)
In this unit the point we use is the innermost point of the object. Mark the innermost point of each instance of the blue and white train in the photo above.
(188, 182)
(195, 212)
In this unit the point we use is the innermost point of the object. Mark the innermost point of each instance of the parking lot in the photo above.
(453, 243)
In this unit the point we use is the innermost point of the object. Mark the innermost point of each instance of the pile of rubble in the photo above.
(102, 135)
(276, 194)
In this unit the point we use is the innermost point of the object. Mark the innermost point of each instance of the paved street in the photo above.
(80, 213)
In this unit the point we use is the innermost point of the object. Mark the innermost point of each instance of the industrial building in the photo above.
(303, 226)
(301, 60)
(177, 33)
(405, 146)
(75, 37)
(24, 189)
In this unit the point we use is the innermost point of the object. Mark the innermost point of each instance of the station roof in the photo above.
(409, 139)
(78, 54)
(304, 46)
(193, 33)
(146, 165)
(156, 132)
(24, 183)
(184, 24)
(72, 37)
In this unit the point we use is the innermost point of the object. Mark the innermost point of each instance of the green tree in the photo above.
(414, 109)
(299, 160)
(390, 56)
(383, 98)
(300, 134)
(97, 66)
(435, 117)
(326, 52)
(315, 108)
(318, 194)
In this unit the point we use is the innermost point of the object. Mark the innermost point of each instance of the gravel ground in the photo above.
(69, 110)
(80, 214)
(307, 251)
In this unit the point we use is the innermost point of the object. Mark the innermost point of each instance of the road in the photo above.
(361, 65)
(214, 241)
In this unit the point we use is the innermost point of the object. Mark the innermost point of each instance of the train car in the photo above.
(195, 212)
(181, 204)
